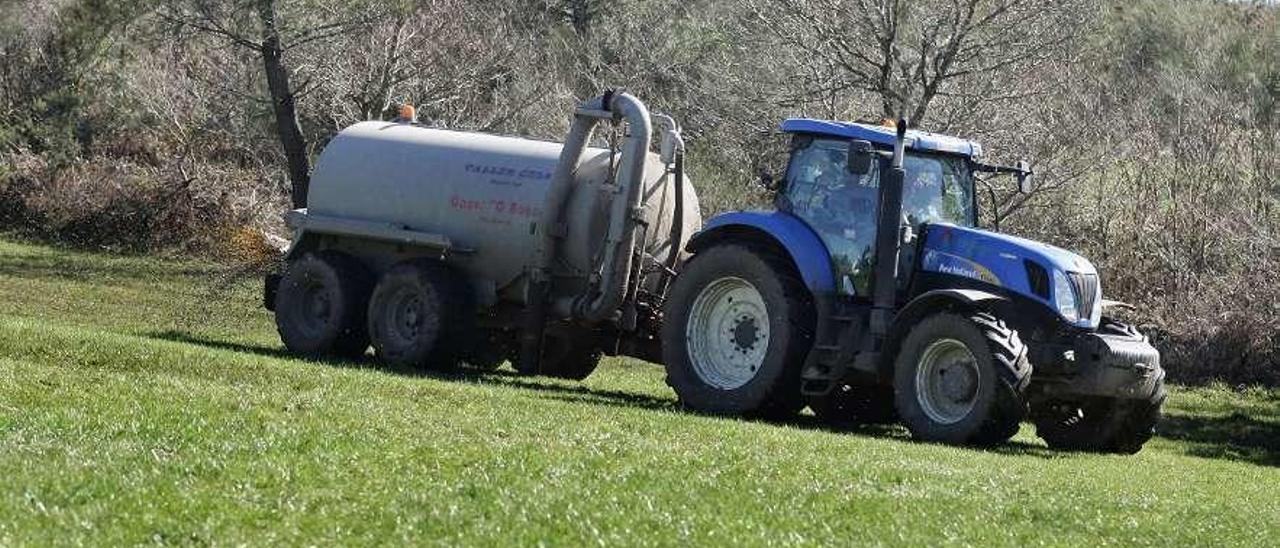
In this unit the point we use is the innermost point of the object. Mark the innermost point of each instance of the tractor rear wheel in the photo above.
(738, 323)
(961, 379)
(419, 317)
(320, 306)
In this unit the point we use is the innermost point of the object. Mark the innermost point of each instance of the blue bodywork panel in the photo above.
(989, 257)
(883, 135)
(806, 249)
(998, 259)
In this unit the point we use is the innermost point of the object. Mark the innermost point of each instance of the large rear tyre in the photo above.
(738, 324)
(320, 306)
(855, 402)
(961, 380)
(419, 317)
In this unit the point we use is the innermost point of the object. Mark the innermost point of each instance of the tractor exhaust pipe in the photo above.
(889, 237)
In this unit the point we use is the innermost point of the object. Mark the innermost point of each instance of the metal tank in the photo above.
(486, 199)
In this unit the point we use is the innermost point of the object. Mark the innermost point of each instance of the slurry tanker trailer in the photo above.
(868, 294)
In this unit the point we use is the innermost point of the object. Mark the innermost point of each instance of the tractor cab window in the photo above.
(937, 188)
(840, 206)
(843, 207)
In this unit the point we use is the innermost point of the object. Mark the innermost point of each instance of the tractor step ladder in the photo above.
(835, 346)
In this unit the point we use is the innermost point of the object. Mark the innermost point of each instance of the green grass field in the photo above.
(148, 401)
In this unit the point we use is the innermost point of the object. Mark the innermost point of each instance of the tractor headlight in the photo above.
(1065, 297)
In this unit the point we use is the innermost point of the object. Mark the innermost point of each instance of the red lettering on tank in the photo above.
(523, 210)
(462, 204)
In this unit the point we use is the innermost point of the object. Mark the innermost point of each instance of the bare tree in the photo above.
(909, 53)
(458, 62)
(257, 25)
(580, 14)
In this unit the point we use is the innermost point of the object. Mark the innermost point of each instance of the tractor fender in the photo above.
(782, 232)
(925, 304)
(941, 299)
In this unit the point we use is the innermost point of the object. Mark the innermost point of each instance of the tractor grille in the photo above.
(1086, 287)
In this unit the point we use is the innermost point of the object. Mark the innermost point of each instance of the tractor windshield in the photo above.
(843, 207)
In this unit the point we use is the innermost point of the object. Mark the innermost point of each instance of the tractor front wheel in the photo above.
(960, 379)
(1099, 425)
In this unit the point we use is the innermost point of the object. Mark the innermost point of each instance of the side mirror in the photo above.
(861, 154)
(1025, 185)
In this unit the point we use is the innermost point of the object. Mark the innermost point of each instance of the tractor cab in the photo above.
(841, 203)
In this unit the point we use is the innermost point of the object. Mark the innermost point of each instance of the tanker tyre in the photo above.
(567, 354)
(320, 306)
(961, 380)
(854, 403)
(738, 324)
(489, 352)
(565, 358)
(578, 364)
(418, 317)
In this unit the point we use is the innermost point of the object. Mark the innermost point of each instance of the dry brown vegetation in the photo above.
(1154, 125)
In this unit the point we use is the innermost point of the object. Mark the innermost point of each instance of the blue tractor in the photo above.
(870, 295)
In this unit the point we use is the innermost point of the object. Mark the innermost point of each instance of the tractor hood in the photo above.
(1065, 282)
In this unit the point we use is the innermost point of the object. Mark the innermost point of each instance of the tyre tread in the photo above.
(1009, 360)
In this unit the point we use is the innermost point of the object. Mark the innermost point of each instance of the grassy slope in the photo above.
(140, 404)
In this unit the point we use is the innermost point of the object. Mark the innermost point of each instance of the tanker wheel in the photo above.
(961, 379)
(418, 316)
(569, 356)
(492, 349)
(1100, 425)
(738, 324)
(320, 306)
(855, 402)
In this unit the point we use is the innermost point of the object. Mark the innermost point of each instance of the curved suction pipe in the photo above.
(550, 228)
(624, 214)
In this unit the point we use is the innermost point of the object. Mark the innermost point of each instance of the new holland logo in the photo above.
(947, 263)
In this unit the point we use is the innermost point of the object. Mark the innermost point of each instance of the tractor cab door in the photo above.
(839, 206)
